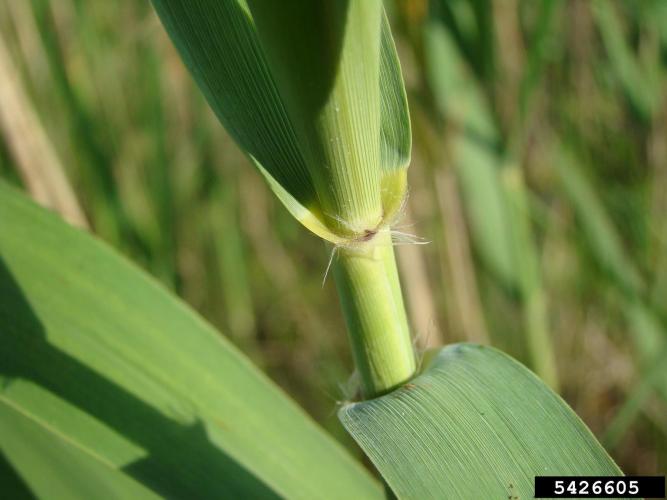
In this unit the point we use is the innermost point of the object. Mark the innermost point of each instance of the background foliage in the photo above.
(539, 174)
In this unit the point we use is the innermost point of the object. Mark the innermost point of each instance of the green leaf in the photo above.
(325, 59)
(313, 93)
(474, 424)
(12, 485)
(100, 365)
(35, 447)
(396, 137)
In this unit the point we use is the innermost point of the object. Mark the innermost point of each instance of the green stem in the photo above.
(372, 302)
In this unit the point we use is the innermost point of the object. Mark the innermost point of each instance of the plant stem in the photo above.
(372, 302)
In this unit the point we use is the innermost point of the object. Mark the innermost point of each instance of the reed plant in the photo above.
(114, 388)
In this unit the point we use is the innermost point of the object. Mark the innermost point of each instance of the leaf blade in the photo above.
(395, 128)
(108, 358)
(82, 475)
(220, 47)
(472, 424)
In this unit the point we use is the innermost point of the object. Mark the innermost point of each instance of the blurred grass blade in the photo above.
(90, 138)
(608, 249)
(313, 93)
(474, 424)
(638, 394)
(231, 258)
(522, 89)
(460, 17)
(655, 14)
(474, 143)
(495, 196)
(106, 364)
(649, 334)
(465, 307)
(638, 83)
(537, 53)
(596, 223)
(542, 359)
(36, 158)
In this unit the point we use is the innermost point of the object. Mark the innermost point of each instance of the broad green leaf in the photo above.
(109, 369)
(474, 424)
(12, 485)
(313, 93)
(32, 446)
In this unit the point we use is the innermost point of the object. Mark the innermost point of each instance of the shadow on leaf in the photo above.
(181, 461)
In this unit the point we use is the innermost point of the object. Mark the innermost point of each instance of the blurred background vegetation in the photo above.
(539, 176)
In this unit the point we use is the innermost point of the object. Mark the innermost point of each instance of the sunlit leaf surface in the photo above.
(474, 424)
(100, 366)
